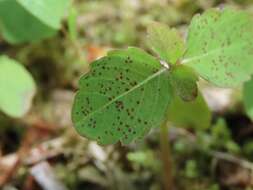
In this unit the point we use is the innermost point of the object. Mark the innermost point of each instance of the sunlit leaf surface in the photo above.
(220, 46)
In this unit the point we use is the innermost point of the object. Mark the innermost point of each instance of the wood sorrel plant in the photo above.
(129, 91)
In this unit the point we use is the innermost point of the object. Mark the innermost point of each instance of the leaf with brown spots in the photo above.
(220, 46)
(125, 94)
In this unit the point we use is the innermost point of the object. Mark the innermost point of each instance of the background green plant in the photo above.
(24, 21)
(28, 21)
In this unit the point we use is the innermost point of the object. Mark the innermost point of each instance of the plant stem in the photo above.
(166, 157)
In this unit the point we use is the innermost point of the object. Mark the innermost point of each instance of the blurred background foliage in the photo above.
(43, 140)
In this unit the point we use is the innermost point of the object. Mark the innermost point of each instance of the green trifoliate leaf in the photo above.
(184, 82)
(194, 114)
(122, 97)
(248, 98)
(166, 42)
(17, 88)
(220, 46)
(28, 20)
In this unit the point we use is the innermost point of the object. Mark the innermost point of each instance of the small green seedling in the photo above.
(128, 92)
